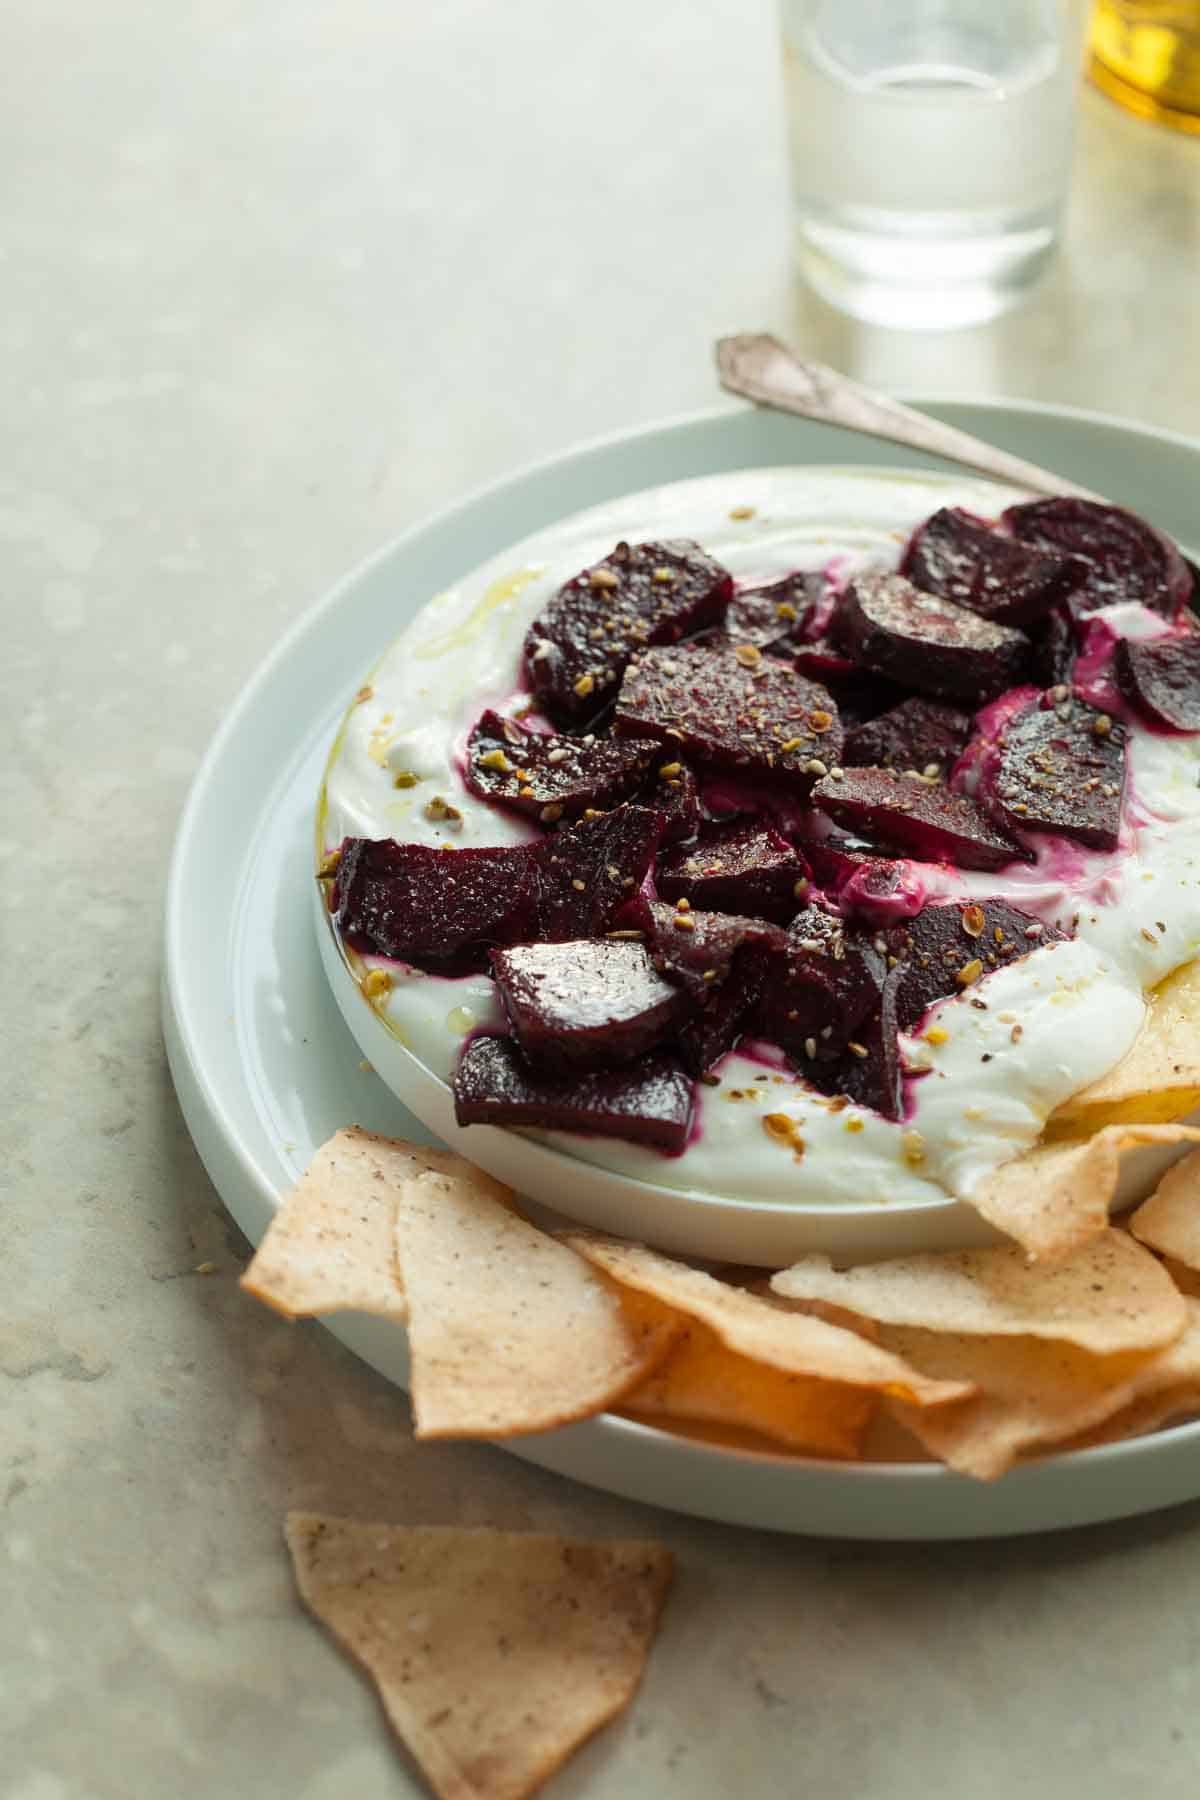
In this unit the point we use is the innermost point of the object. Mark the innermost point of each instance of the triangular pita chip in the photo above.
(1033, 1393)
(1159, 1077)
(508, 1329)
(703, 1381)
(762, 1329)
(330, 1246)
(1170, 1220)
(1172, 1393)
(496, 1654)
(1107, 1296)
(1057, 1195)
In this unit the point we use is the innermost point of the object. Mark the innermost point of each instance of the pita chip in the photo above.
(496, 1654)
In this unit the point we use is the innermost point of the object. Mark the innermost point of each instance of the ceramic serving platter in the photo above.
(266, 1067)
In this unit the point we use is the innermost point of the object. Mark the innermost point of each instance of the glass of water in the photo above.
(930, 144)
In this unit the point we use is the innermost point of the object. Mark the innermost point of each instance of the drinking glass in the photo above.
(930, 145)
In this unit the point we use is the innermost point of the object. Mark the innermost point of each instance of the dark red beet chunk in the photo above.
(1061, 768)
(725, 1014)
(772, 617)
(926, 820)
(674, 792)
(647, 1102)
(719, 961)
(1124, 558)
(740, 867)
(963, 559)
(820, 986)
(551, 778)
(1055, 647)
(732, 710)
(588, 871)
(576, 652)
(1162, 679)
(943, 941)
(591, 1004)
(927, 644)
(438, 909)
(865, 884)
(868, 1070)
(698, 950)
(925, 735)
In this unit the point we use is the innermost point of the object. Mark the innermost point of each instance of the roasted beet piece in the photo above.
(1061, 768)
(776, 614)
(548, 777)
(698, 950)
(589, 1004)
(588, 871)
(647, 1102)
(925, 735)
(967, 939)
(719, 961)
(1055, 647)
(866, 885)
(438, 909)
(868, 1069)
(888, 625)
(732, 709)
(964, 559)
(725, 1014)
(772, 616)
(820, 985)
(740, 867)
(576, 652)
(926, 820)
(1124, 558)
(823, 660)
(673, 791)
(1162, 679)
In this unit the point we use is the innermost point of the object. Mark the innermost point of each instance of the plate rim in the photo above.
(187, 1063)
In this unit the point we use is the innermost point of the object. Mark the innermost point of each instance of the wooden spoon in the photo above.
(760, 368)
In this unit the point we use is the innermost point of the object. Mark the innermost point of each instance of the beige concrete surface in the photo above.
(278, 277)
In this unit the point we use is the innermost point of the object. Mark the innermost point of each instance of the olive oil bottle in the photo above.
(1145, 54)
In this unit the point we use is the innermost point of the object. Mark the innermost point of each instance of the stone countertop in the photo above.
(279, 278)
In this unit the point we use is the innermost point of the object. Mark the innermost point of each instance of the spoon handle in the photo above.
(760, 368)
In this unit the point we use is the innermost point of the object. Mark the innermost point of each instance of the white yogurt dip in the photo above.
(1021, 1042)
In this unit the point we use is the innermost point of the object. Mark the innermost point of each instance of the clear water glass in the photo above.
(930, 145)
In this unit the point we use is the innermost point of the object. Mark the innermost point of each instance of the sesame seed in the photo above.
(662, 575)
(810, 1047)
(604, 578)
(741, 512)
(836, 774)
(557, 756)
(1101, 726)
(859, 1050)
(814, 766)
(578, 885)
(748, 655)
